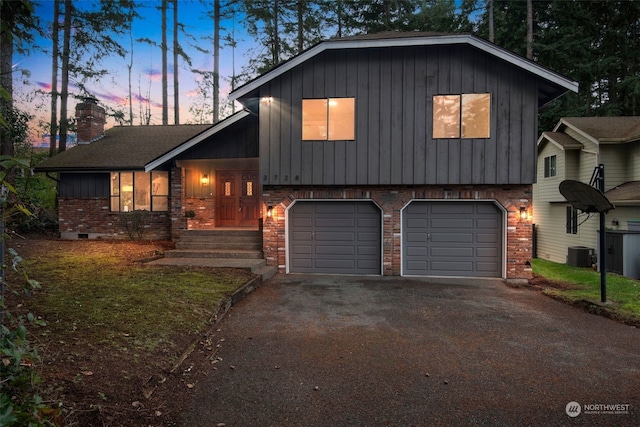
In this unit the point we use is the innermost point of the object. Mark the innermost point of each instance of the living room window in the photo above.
(462, 116)
(572, 220)
(550, 166)
(329, 119)
(139, 191)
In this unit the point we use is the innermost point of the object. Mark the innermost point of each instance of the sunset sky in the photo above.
(112, 90)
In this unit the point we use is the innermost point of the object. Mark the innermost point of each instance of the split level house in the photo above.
(573, 151)
(385, 154)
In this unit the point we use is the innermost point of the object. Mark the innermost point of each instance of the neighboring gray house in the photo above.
(575, 147)
(393, 153)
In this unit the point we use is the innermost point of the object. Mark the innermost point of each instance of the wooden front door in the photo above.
(237, 199)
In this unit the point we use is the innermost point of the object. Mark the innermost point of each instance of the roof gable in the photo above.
(621, 129)
(551, 84)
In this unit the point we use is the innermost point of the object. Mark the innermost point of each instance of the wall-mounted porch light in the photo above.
(523, 213)
(205, 179)
(267, 99)
(269, 211)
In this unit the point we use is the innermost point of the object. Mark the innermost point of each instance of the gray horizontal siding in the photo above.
(393, 89)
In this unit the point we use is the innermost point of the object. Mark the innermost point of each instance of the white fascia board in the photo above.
(407, 41)
(196, 140)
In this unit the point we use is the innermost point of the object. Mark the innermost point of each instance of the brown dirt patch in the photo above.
(89, 386)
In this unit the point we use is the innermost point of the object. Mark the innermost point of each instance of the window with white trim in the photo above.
(139, 191)
(462, 116)
(328, 119)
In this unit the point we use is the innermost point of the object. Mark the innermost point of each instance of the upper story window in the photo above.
(550, 166)
(329, 119)
(462, 116)
(139, 191)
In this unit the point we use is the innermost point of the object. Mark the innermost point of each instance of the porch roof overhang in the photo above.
(171, 154)
(551, 85)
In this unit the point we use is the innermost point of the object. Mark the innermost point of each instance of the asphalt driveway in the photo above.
(309, 350)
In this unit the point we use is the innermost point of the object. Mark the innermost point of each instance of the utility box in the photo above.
(580, 256)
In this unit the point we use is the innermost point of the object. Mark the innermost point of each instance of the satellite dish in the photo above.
(585, 197)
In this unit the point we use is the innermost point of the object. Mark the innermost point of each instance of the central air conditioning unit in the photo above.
(580, 256)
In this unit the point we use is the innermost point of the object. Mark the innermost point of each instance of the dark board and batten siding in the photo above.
(238, 141)
(84, 185)
(393, 89)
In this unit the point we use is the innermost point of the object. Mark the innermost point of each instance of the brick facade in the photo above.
(92, 218)
(391, 200)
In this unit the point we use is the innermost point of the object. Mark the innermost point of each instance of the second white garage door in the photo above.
(335, 237)
(452, 239)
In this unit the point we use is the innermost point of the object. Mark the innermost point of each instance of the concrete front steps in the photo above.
(220, 248)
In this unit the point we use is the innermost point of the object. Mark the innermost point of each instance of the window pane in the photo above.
(142, 186)
(160, 203)
(314, 119)
(446, 116)
(476, 115)
(126, 191)
(159, 183)
(115, 184)
(342, 119)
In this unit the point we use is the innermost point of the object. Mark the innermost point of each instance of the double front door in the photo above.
(237, 201)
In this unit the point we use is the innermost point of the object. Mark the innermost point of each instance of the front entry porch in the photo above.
(221, 194)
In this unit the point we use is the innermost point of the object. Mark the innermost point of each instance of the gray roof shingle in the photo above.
(608, 129)
(122, 148)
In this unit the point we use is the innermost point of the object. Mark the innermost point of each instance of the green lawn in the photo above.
(110, 303)
(584, 284)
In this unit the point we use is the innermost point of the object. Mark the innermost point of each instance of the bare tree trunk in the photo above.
(64, 85)
(130, 67)
(216, 61)
(530, 29)
(491, 31)
(300, 26)
(6, 79)
(165, 91)
(176, 91)
(53, 132)
(276, 34)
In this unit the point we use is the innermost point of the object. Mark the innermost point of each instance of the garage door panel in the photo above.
(345, 237)
(444, 267)
(487, 252)
(452, 238)
(452, 223)
(334, 264)
(489, 224)
(450, 208)
(451, 252)
(339, 237)
(335, 250)
(368, 237)
(414, 223)
(302, 236)
(332, 223)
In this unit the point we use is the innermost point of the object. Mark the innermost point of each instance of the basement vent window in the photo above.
(83, 236)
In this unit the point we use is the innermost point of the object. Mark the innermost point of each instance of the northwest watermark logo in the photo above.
(573, 409)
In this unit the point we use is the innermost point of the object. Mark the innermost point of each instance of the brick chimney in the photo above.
(89, 120)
